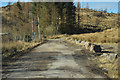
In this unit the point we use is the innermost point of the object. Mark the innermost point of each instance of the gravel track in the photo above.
(54, 59)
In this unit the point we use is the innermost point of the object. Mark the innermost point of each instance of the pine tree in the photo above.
(9, 9)
(19, 10)
(45, 18)
(78, 13)
(9, 6)
(54, 14)
(60, 7)
(54, 17)
(69, 17)
(18, 5)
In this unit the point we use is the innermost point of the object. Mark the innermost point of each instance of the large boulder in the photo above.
(95, 48)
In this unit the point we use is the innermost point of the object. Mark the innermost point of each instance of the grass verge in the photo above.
(107, 36)
(13, 50)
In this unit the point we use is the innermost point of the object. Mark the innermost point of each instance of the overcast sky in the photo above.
(110, 6)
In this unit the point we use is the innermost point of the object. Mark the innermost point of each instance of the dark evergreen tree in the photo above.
(19, 10)
(78, 14)
(9, 6)
(60, 7)
(54, 14)
(66, 12)
(45, 18)
(19, 6)
(69, 18)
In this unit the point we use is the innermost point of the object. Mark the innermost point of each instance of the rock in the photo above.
(105, 70)
(71, 39)
(95, 48)
(82, 43)
(104, 55)
(87, 45)
(77, 42)
(68, 38)
(112, 56)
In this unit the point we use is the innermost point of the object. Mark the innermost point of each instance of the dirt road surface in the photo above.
(54, 59)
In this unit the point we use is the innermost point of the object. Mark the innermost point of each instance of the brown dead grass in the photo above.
(111, 66)
(107, 36)
(9, 48)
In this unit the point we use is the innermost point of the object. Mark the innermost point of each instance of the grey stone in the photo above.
(112, 56)
(87, 45)
(71, 39)
(77, 42)
(104, 55)
(82, 43)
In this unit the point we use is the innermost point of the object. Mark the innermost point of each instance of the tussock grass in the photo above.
(9, 48)
(111, 66)
(107, 36)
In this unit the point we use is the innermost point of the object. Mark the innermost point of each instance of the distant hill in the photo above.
(98, 19)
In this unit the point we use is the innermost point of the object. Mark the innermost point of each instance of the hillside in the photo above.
(11, 23)
(19, 24)
(107, 36)
(98, 19)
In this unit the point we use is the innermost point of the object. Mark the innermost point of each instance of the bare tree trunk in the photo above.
(38, 28)
(32, 28)
(32, 25)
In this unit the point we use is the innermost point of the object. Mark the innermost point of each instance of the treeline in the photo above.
(54, 18)
(39, 19)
